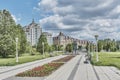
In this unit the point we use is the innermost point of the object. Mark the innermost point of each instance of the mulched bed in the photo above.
(41, 70)
(65, 59)
(46, 69)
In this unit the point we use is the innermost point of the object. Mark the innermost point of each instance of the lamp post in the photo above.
(64, 52)
(92, 48)
(57, 49)
(89, 47)
(17, 50)
(63, 48)
(43, 47)
(96, 37)
(119, 47)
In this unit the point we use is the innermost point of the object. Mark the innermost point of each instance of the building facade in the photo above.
(62, 39)
(33, 32)
(49, 38)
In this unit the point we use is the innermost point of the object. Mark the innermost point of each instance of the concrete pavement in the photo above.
(107, 73)
(85, 71)
(65, 71)
(76, 69)
(20, 68)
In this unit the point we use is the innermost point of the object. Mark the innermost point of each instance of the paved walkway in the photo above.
(76, 69)
(11, 71)
(65, 71)
(85, 71)
(107, 73)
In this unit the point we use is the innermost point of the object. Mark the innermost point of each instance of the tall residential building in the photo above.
(62, 39)
(49, 38)
(33, 32)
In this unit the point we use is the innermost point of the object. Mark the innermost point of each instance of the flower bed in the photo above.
(65, 59)
(46, 69)
(41, 70)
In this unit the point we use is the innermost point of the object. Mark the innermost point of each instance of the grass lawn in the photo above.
(107, 59)
(23, 59)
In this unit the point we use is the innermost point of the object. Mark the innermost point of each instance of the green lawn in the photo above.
(23, 59)
(107, 59)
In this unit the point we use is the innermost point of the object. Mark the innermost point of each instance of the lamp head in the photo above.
(16, 39)
(96, 37)
(42, 43)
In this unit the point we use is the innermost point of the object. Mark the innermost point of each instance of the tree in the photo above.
(8, 33)
(87, 46)
(80, 47)
(107, 45)
(57, 47)
(100, 45)
(7, 29)
(69, 47)
(51, 48)
(118, 45)
(41, 40)
(22, 40)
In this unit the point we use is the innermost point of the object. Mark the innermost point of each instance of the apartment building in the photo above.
(33, 32)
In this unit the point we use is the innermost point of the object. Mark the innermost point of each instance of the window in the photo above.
(36, 33)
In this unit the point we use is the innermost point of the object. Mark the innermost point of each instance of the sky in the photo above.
(80, 19)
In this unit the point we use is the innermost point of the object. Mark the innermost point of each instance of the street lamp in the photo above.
(57, 49)
(89, 47)
(92, 48)
(119, 47)
(16, 49)
(43, 47)
(96, 37)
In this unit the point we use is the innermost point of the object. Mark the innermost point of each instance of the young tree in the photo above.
(42, 40)
(22, 40)
(69, 47)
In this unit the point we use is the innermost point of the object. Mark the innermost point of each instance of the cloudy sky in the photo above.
(80, 19)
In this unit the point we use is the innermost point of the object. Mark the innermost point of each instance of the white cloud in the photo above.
(47, 5)
(35, 8)
(63, 10)
(15, 18)
(81, 18)
(102, 4)
(115, 11)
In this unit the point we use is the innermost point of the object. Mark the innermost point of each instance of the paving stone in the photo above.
(64, 72)
(85, 71)
(106, 73)
(81, 70)
(25, 78)
(23, 67)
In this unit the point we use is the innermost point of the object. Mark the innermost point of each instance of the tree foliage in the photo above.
(57, 47)
(104, 45)
(8, 33)
(22, 39)
(90, 46)
(69, 47)
(42, 40)
(107, 45)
